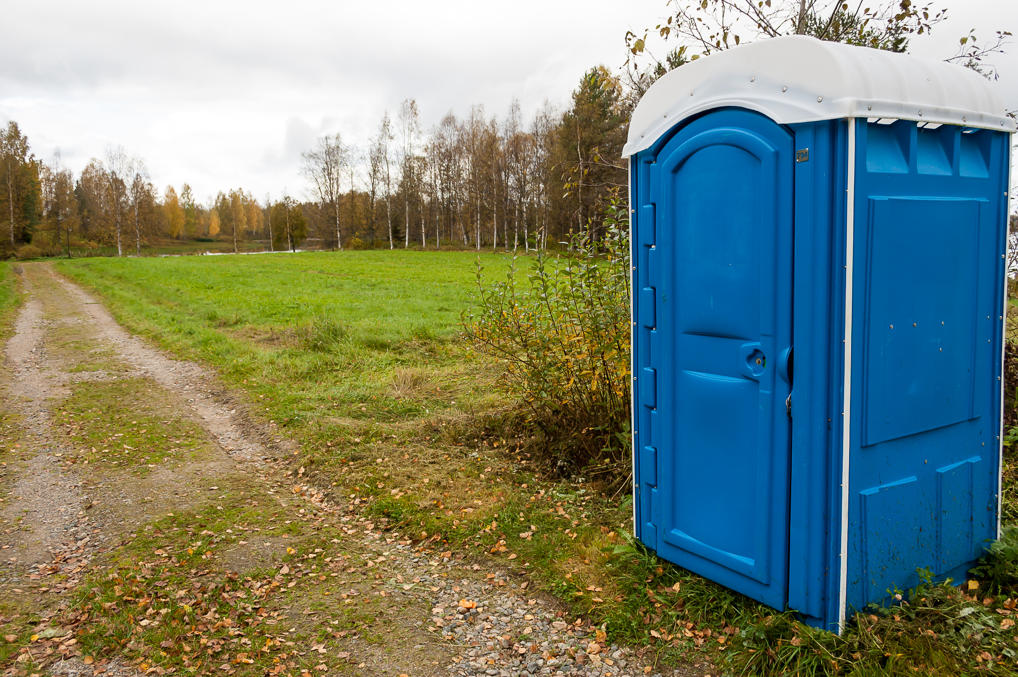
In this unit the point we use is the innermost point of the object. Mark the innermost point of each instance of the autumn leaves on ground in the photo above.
(156, 518)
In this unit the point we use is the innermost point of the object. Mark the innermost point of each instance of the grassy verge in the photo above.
(15, 626)
(10, 297)
(358, 356)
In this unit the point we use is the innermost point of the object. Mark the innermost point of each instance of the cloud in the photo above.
(227, 93)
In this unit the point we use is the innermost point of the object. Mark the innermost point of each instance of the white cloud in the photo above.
(227, 93)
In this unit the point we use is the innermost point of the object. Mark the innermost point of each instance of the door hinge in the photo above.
(788, 405)
(802, 155)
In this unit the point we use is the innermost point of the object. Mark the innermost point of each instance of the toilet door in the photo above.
(720, 350)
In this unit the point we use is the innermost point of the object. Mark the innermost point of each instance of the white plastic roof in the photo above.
(801, 79)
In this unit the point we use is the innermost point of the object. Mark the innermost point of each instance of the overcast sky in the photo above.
(226, 94)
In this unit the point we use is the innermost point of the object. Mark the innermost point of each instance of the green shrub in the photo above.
(562, 332)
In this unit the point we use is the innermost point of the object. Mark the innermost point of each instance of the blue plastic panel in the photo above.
(818, 315)
(930, 211)
(712, 322)
(921, 328)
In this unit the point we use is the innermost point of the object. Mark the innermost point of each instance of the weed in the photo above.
(407, 381)
(998, 570)
(321, 334)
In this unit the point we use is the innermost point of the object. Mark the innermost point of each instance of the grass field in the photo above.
(359, 357)
(157, 247)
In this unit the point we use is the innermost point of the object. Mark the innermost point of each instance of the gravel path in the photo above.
(475, 620)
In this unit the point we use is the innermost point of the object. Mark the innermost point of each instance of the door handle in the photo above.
(785, 365)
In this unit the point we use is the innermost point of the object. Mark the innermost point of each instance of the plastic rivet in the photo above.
(915, 324)
(820, 99)
(785, 88)
(892, 326)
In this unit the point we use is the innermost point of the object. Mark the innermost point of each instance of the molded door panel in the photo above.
(724, 196)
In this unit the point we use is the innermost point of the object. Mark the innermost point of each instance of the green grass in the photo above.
(309, 334)
(9, 297)
(359, 357)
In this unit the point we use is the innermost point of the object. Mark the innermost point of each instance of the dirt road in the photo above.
(148, 524)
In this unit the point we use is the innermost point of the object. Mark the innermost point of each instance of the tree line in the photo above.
(473, 181)
(470, 181)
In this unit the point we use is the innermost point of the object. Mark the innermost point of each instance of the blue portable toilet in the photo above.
(818, 236)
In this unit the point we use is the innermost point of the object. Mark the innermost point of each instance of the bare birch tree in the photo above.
(409, 128)
(119, 169)
(324, 166)
(380, 153)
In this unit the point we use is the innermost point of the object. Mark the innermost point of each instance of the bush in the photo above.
(28, 251)
(562, 332)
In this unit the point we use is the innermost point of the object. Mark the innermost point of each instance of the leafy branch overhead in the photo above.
(702, 27)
